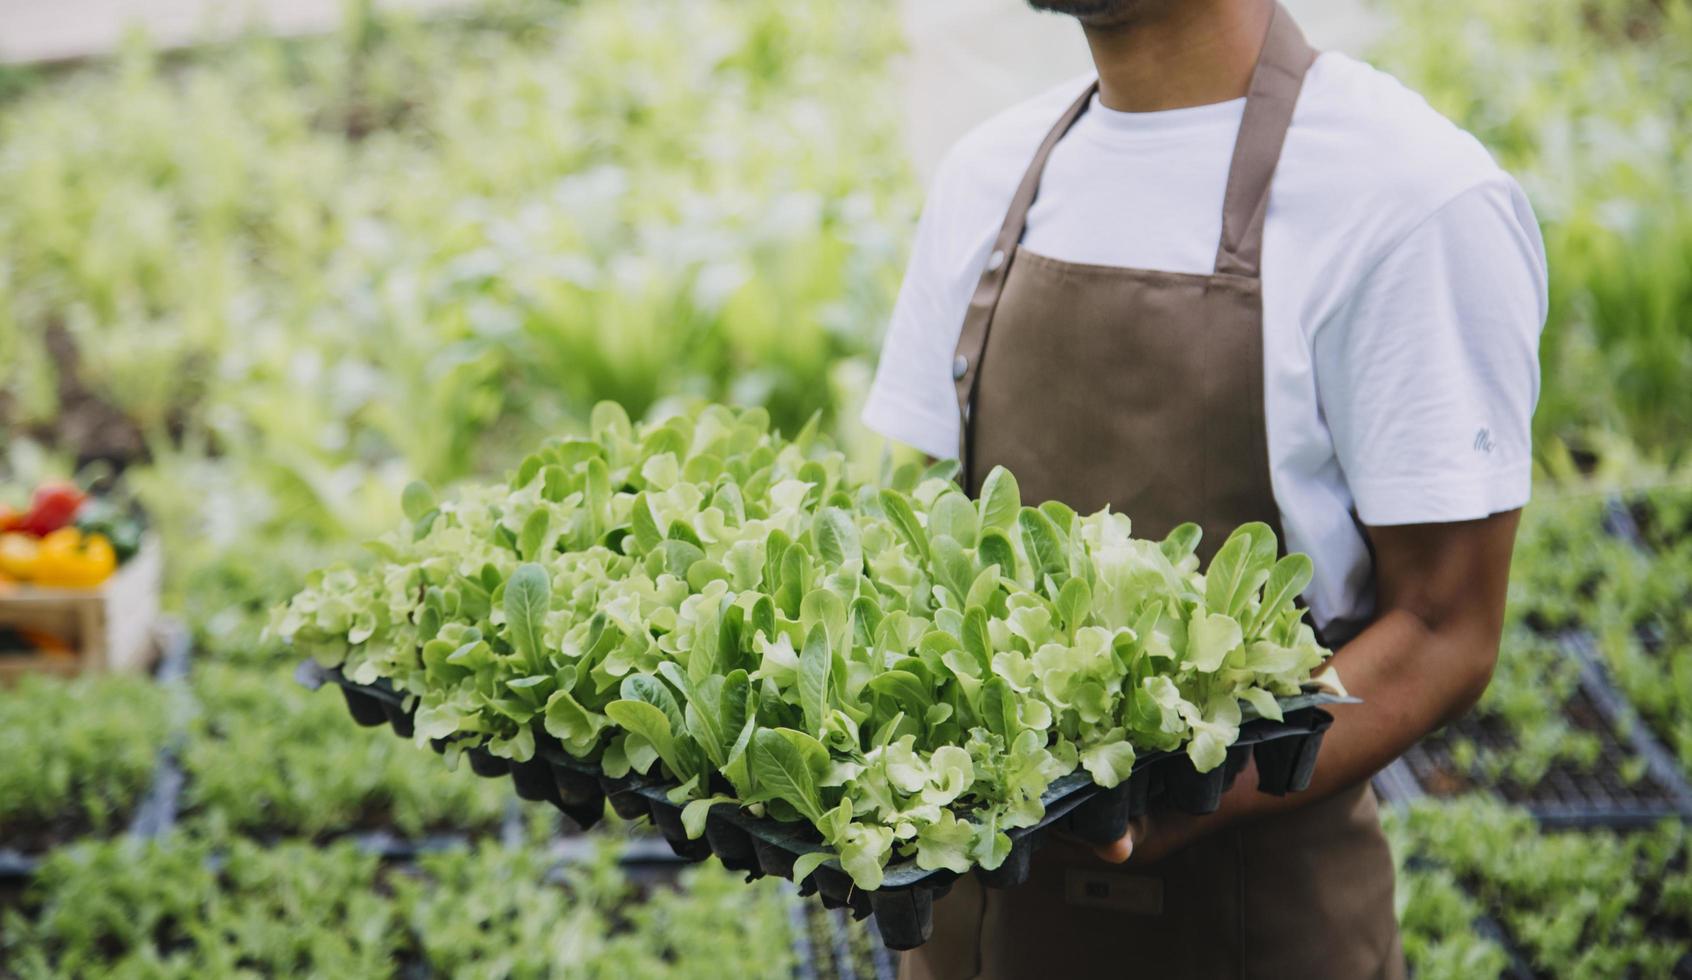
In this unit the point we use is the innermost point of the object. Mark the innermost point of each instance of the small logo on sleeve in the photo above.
(1483, 441)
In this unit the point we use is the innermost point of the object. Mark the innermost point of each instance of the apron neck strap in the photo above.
(1016, 216)
(1275, 84)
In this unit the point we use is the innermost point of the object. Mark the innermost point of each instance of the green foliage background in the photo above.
(1589, 104)
(275, 280)
(284, 277)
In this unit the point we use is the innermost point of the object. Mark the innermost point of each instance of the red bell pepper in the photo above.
(53, 506)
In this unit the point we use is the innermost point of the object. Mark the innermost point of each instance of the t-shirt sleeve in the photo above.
(1428, 375)
(912, 399)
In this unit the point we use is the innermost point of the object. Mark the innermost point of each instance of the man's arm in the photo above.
(1425, 661)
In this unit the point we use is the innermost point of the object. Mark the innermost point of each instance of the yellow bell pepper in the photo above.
(18, 552)
(71, 560)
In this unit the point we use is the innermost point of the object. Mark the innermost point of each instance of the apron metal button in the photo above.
(995, 260)
(960, 367)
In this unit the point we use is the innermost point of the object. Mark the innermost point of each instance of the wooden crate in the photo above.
(108, 628)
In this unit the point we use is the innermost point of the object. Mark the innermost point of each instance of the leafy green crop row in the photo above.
(1586, 101)
(184, 907)
(264, 756)
(1577, 904)
(903, 668)
(78, 755)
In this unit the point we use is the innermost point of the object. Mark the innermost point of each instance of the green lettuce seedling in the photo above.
(901, 668)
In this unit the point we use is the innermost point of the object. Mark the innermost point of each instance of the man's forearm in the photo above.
(1412, 677)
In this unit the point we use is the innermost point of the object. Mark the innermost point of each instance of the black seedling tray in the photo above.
(1569, 794)
(1285, 753)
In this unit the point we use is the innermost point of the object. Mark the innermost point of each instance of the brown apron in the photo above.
(1144, 390)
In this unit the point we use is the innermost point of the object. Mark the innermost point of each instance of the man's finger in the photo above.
(1118, 851)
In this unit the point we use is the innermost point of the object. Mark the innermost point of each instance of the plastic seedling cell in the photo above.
(1190, 791)
(625, 802)
(906, 916)
(533, 780)
(575, 786)
(1286, 765)
(366, 710)
(485, 763)
(1239, 756)
(1105, 817)
(732, 846)
(399, 718)
(777, 860)
(667, 818)
(1014, 870)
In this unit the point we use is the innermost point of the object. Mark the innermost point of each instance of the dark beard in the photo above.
(1100, 13)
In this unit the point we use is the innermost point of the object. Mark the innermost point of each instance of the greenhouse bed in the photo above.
(826, 944)
(1643, 633)
(1516, 967)
(1569, 794)
(829, 944)
(155, 812)
(1636, 518)
(1602, 793)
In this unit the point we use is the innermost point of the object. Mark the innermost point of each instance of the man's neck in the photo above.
(1180, 53)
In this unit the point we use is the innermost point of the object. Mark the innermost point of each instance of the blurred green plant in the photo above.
(300, 273)
(1589, 104)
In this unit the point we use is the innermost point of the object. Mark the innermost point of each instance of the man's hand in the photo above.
(1123, 849)
(1150, 838)
(1423, 662)
(1154, 836)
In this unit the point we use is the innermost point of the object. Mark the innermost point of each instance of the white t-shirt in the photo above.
(1403, 294)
